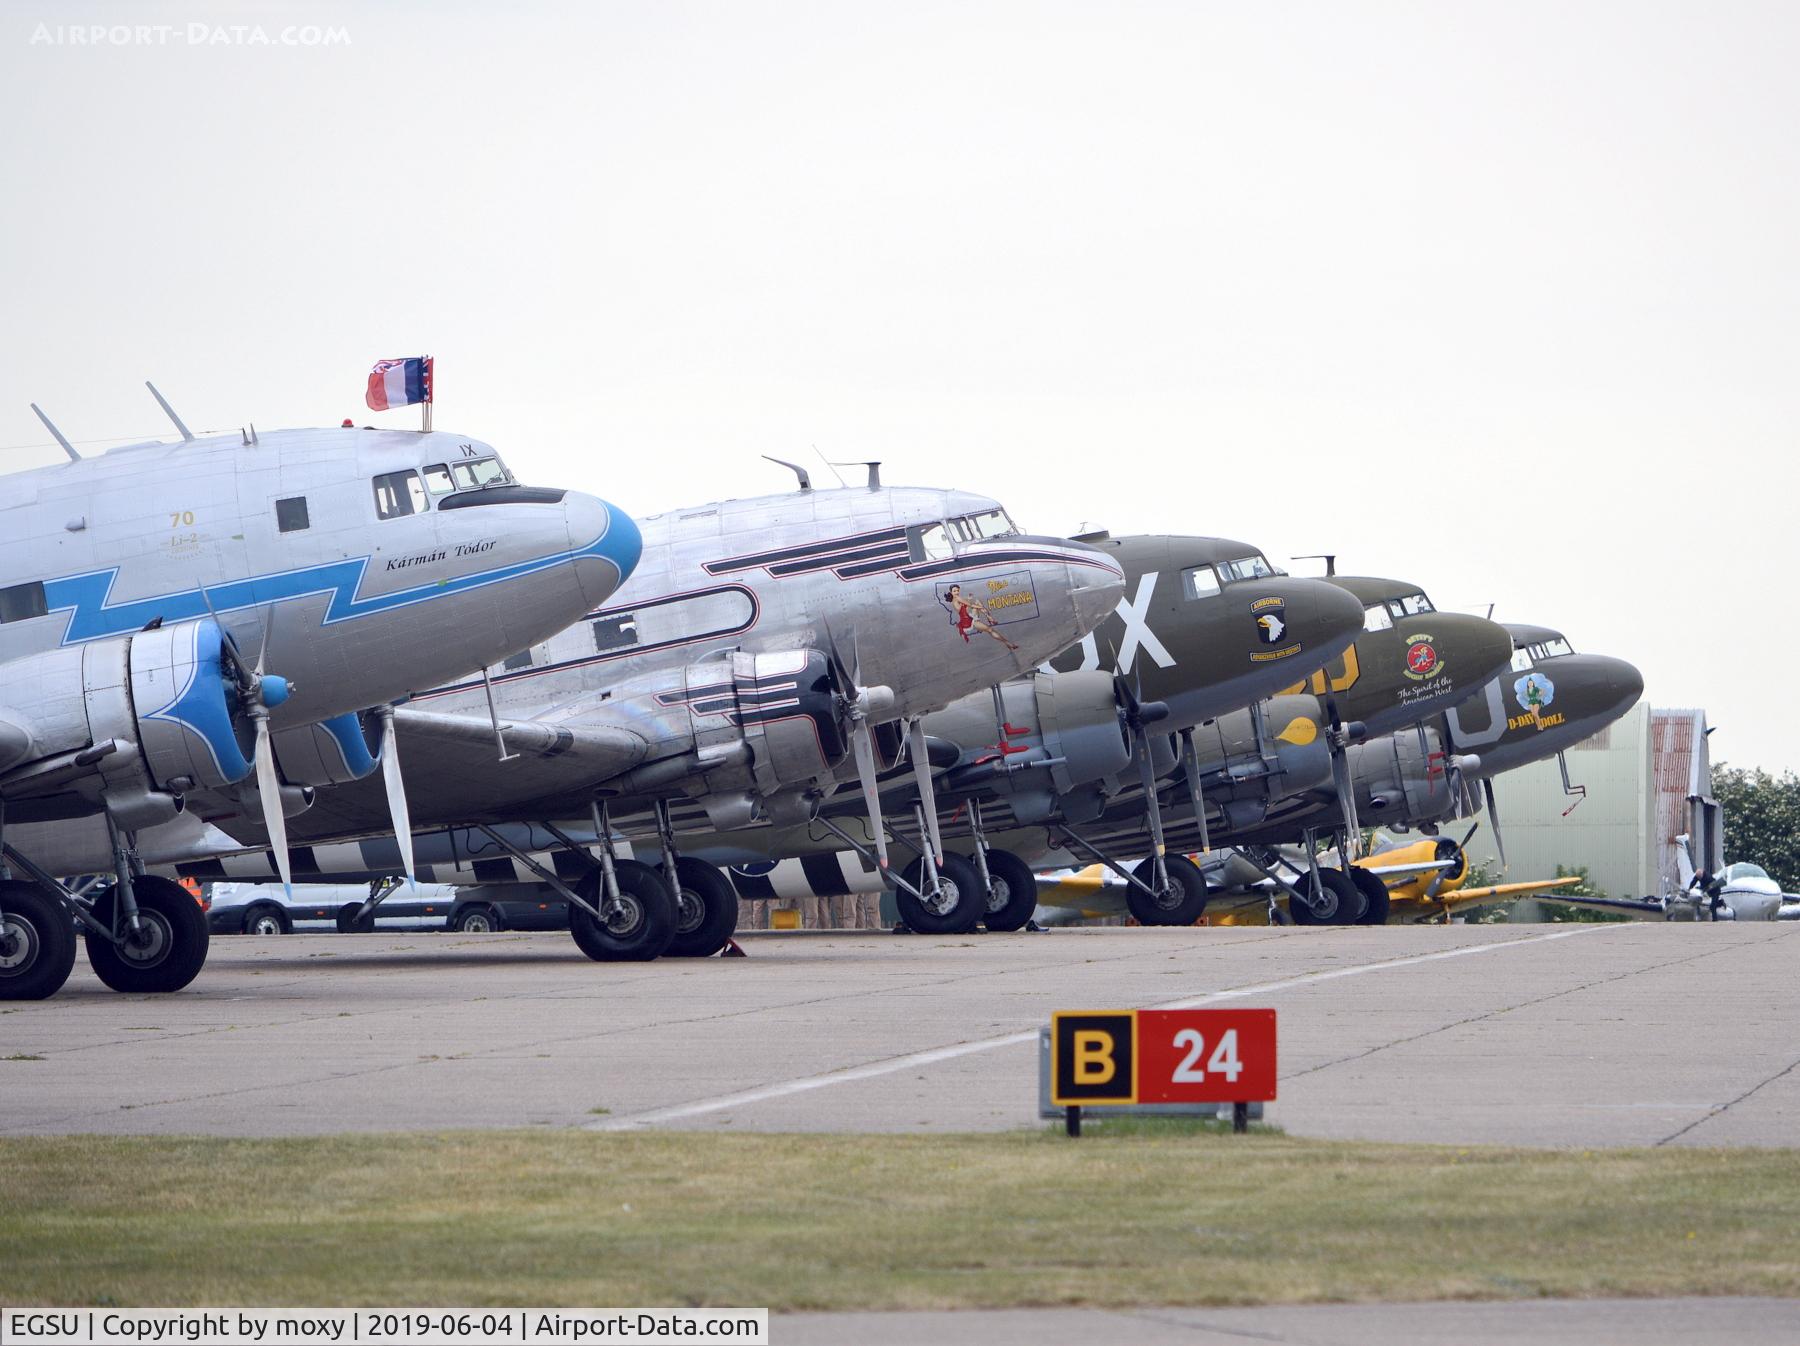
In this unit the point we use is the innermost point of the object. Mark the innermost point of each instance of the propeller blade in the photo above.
(396, 793)
(1463, 845)
(915, 748)
(863, 741)
(268, 787)
(1493, 813)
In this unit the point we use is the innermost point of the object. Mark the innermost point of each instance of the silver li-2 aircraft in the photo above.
(216, 628)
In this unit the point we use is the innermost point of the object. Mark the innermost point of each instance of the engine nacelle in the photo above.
(1069, 722)
(1244, 775)
(1402, 778)
(160, 697)
(767, 722)
(330, 752)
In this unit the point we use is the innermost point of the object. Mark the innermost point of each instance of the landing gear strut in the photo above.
(706, 905)
(1008, 881)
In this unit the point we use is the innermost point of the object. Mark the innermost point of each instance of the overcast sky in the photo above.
(1501, 298)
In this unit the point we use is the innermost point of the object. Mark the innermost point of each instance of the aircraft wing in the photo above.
(1507, 889)
(1397, 874)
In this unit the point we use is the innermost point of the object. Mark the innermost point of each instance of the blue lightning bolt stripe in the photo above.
(87, 597)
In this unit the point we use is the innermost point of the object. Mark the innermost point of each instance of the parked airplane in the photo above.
(1416, 777)
(765, 651)
(191, 629)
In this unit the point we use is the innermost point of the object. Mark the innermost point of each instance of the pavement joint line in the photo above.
(876, 1069)
(1508, 1009)
(1720, 1111)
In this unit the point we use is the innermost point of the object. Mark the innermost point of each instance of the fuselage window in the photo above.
(397, 494)
(22, 602)
(615, 633)
(290, 514)
(1375, 618)
(478, 472)
(1199, 582)
(437, 480)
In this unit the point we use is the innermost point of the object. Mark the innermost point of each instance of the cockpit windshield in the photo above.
(1247, 568)
(1411, 605)
(1743, 869)
(938, 541)
(471, 474)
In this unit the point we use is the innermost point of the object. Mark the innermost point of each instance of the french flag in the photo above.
(399, 383)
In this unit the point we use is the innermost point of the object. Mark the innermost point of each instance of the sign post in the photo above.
(1154, 1058)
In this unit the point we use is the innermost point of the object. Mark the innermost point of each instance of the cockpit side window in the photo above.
(437, 480)
(1375, 618)
(1523, 661)
(931, 542)
(397, 494)
(1199, 582)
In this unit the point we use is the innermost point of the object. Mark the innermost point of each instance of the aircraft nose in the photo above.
(1482, 649)
(1318, 616)
(605, 543)
(1596, 683)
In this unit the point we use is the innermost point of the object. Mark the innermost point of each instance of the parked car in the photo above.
(263, 909)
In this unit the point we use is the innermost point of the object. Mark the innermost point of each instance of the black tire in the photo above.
(706, 909)
(639, 933)
(265, 918)
(349, 923)
(957, 910)
(1343, 901)
(175, 933)
(1183, 903)
(1013, 896)
(40, 935)
(477, 918)
(1376, 899)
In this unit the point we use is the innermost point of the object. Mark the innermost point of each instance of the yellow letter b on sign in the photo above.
(1093, 1058)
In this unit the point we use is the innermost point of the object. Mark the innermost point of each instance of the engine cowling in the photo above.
(1069, 722)
(1244, 779)
(162, 697)
(1402, 778)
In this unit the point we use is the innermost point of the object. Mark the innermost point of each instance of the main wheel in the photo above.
(1012, 897)
(1181, 903)
(168, 950)
(37, 943)
(478, 918)
(636, 929)
(706, 909)
(953, 908)
(349, 923)
(1340, 902)
(1376, 900)
(264, 919)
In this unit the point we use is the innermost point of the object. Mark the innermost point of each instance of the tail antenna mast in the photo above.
(56, 434)
(168, 410)
(874, 466)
